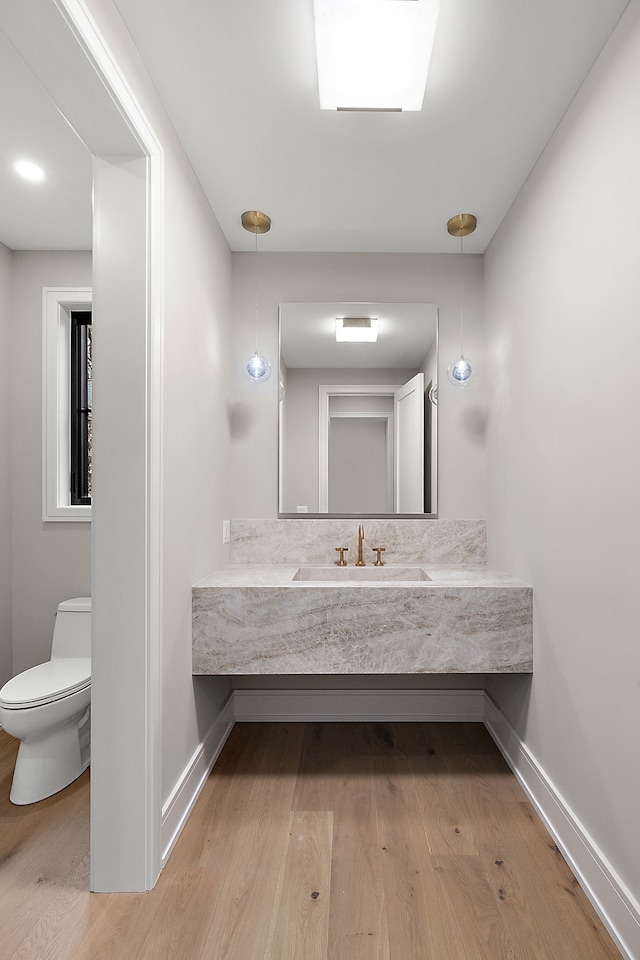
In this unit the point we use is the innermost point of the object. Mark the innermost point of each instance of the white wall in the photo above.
(50, 561)
(6, 657)
(196, 475)
(358, 466)
(562, 293)
(301, 416)
(355, 277)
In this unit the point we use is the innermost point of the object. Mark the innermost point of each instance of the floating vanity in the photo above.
(436, 606)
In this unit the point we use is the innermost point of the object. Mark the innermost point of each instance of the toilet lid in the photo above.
(47, 682)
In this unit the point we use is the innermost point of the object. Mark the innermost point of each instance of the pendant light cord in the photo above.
(255, 285)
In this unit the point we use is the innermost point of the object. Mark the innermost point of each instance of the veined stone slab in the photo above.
(257, 619)
(314, 541)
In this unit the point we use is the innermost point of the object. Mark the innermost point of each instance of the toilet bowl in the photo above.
(48, 709)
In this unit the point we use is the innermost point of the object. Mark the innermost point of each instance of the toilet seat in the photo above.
(46, 683)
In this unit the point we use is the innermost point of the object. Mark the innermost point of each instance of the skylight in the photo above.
(374, 54)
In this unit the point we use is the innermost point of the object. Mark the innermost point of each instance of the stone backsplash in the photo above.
(314, 541)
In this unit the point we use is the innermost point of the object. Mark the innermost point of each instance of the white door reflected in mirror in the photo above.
(409, 439)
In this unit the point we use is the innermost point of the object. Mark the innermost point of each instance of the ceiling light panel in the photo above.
(356, 329)
(374, 54)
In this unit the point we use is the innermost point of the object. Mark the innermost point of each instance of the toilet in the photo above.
(48, 708)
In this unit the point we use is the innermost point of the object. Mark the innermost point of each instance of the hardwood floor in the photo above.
(312, 842)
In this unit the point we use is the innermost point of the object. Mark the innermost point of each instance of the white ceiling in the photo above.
(57, 112)
(56, 213)
(238, 80)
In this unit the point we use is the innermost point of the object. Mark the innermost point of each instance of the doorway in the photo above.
(371, 448)
(59, 42)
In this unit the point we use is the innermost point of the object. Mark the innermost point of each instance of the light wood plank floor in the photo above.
(312, 842)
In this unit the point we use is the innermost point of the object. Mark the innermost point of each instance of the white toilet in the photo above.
(48, 708)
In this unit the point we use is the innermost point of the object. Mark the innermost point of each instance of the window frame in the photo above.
(58, 303)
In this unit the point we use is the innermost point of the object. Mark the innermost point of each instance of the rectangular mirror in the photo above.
(358, 426)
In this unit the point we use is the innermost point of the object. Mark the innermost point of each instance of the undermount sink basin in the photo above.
(336, 574)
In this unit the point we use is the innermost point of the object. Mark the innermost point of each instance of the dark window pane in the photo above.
(81, 397)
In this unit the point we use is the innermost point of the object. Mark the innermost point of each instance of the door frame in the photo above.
(126, 799)
(325, 392)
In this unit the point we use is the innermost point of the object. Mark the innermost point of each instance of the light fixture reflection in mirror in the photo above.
(358, 420)
(356, 329)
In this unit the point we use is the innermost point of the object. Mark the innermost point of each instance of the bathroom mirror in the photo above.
(358, 426)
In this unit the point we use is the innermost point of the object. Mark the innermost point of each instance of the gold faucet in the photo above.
(360, 562)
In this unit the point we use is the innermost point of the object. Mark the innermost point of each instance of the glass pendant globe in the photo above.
(257, 369)
(459, 372)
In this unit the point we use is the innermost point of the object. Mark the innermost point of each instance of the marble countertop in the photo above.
(282, 574)
(256, 619)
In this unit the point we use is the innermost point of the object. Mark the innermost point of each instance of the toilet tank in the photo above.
(72, 629)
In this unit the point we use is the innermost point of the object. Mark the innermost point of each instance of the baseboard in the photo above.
(365, 705)
(616, 906)
(179, 805)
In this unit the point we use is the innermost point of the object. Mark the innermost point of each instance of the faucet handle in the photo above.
(379, 550)
(341, 562)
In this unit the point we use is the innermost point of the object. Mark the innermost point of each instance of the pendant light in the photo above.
(460, 371)
(257, 369)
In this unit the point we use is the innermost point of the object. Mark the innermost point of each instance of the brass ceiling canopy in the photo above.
(462, 225)
(255, 222)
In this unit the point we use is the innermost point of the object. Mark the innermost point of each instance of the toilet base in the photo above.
(48, 764)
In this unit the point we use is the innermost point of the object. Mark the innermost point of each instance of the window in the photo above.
(81, 383)
(65, 442)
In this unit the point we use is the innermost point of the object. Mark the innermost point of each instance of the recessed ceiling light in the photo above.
(356, 329)
(29, 171)
(374, 54)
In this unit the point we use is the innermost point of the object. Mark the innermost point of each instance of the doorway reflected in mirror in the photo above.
(358, 425)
